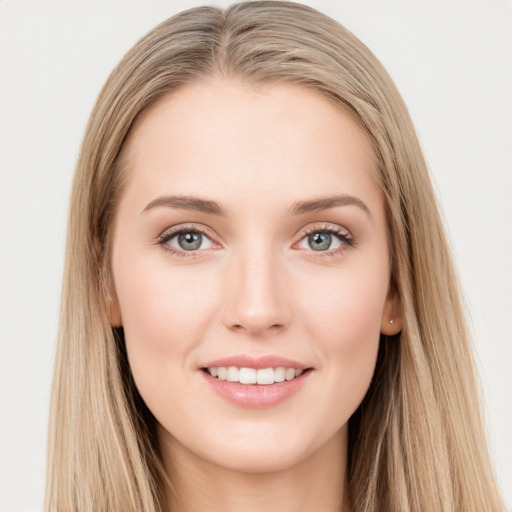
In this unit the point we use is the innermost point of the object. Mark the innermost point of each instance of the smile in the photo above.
(261, 376)
(256, 382)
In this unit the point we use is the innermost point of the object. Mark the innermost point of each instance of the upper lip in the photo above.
(247, 361)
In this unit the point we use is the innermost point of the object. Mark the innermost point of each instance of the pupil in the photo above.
(190, 241)
(320, 241)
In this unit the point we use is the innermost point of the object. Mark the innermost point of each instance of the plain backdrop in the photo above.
(451, 60)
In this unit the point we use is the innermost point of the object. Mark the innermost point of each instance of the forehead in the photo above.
(224, 137)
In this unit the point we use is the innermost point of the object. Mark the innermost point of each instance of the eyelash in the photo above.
(344, 237)
(168, 235)
(347, 241)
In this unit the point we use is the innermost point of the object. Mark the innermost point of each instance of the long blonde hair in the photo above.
(416, 442)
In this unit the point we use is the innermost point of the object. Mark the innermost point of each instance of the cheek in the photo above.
(344, 318)
(165, 313)
(161, 306)
(345, 306)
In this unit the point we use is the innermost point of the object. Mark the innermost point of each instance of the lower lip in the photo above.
(253, 395)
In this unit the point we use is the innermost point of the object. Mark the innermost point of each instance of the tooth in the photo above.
(247, 376)
(232, 375)
(265, 376)
(279, 374)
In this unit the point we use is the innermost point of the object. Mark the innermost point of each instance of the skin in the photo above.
(254, 287)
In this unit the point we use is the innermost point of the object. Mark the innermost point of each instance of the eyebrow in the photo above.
(214, 208)
(324, 203)
(187, 203)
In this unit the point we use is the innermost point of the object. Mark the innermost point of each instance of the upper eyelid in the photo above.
(329, 228)
(325, 227)
(205, 230)
(176, 230)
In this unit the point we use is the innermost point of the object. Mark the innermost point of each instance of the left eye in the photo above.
(321, 241)
(189, 241)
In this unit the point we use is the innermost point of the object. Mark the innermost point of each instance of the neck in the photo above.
(315, 483)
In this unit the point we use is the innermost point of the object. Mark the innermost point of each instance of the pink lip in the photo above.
(254, 395)
(247, 361)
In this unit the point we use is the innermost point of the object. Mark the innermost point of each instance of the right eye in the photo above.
(186, 240)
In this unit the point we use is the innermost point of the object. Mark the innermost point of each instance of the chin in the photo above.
(253, 461)
(261, 457)
(257, 449)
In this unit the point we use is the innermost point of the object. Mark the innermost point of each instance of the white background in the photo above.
(452, 61)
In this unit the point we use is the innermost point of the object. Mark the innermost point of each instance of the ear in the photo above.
(391, 322)
(109, 291)
(112, 304)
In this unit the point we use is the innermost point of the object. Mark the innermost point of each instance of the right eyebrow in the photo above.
(187, 203)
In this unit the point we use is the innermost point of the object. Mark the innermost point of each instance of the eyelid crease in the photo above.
(328, 228)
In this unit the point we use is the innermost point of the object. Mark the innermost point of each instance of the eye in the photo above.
(326, 239)
(185, 240)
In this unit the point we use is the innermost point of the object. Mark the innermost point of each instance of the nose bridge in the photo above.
(257, 300)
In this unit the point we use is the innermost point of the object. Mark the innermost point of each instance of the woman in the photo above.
(259, 309)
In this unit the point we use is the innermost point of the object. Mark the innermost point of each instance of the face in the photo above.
(250, 272)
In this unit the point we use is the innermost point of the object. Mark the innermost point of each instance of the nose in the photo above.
(257, 298)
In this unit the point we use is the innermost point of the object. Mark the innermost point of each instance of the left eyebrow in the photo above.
(324, 203)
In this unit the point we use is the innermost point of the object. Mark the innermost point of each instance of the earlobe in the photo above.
(391, 322)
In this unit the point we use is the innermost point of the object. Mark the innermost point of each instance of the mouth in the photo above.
(255, 376)
(256, 382)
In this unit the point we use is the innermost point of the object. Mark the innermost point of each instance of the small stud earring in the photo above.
(391, 321)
